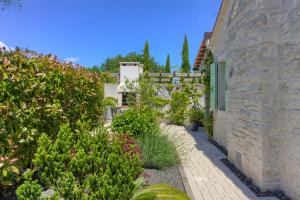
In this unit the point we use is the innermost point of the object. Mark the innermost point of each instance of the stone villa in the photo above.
(256, 49)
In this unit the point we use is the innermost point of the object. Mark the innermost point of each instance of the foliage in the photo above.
(179, 104)
(106, 77)
(37, 94)
(135, 122)
(168, 64)
(130, 145)
(185, 65)
(112, 64)
(209, 124)
(110, 101)
(160, 192)
(170, 87)
(205, 79)
(29, 189)
(146, 56)
(158, 151)
(208, 121)
(148, 99)
(196, 115)
(86, 166)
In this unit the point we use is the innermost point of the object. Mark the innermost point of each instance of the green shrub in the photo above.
(148, 99)
(158, 151)
(160, 192)
(37, 94)
(179, 105)
(135, 122)
(196, 115)
(29, 189)
(89, 167)
(209, 125)
(110, 101)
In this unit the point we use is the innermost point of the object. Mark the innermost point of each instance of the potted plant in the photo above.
(196, 116)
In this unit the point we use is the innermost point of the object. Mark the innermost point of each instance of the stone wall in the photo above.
(260, 43)
(289, 92)
(221, 128)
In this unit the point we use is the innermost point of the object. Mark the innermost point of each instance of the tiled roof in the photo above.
(201, 52)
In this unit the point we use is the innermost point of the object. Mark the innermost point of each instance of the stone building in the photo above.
(256, 48)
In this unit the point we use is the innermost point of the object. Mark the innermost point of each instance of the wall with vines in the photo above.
(208, 122)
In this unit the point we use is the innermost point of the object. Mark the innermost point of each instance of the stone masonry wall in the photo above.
(289, 92)
(260, 43)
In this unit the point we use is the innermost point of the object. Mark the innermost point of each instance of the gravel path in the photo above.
(170, 176)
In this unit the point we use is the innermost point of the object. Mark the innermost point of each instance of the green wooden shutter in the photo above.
(226, 87)
(213, 88)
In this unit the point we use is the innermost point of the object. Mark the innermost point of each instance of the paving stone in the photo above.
(208, 177)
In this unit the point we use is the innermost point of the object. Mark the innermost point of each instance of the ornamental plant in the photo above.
(196, 115)
(29, 189)
(130, 145)
(135, 122)
(160, 192)
(208, 121)
(179, 105)
(158, 152)
(88, 165)
(38, 94)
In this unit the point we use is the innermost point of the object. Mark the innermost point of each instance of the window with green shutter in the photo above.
(213, 86)
(221, 86)
(226, 87)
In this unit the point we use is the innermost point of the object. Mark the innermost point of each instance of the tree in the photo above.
(168, 64)
(146, 55)
(112, 64)
(185, 65)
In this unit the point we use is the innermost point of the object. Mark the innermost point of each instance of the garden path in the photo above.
(205, 176)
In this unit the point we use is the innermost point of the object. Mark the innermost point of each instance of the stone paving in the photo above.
(207, 178)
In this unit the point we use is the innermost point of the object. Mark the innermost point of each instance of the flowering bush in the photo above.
(37, 94)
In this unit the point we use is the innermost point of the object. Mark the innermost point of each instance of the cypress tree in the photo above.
(185, 65)
(168, 64)
(146, 56)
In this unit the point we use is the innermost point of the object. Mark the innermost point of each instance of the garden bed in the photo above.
(170, 176)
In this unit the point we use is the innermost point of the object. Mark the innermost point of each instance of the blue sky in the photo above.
(92, 30)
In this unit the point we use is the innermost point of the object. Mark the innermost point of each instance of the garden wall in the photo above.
(260, 43)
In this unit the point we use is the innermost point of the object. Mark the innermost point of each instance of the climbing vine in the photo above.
(208, 122)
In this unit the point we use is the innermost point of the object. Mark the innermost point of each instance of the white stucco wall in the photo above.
(129, 71)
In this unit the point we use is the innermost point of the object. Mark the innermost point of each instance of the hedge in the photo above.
(38, 94)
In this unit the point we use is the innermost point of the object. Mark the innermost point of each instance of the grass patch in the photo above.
(158, 151)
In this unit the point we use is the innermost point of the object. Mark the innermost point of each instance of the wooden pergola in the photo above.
(174, 77)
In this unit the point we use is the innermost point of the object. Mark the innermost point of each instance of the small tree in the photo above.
(146, 56)
(185, 65)
(168, 64)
